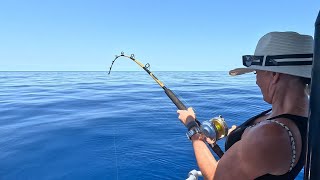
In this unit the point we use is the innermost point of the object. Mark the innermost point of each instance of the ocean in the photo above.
(91, 125)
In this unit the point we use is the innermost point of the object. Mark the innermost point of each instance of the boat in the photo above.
(312, 164)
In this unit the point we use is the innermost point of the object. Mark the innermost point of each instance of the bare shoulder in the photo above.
(294, 130)
(263, 149)
(268, 147)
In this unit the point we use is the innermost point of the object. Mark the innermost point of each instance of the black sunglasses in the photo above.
(248, 60)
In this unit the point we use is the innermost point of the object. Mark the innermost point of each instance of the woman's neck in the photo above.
(291, 101)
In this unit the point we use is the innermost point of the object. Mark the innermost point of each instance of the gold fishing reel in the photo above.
(215, 128)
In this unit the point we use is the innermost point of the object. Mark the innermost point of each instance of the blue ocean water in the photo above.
(90, 125)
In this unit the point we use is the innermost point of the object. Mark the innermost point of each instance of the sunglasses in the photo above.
(248, 60)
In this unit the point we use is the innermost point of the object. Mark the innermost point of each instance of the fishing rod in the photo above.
(214, 128)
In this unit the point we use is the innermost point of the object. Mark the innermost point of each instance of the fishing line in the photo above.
(115, 152)
(218, 124)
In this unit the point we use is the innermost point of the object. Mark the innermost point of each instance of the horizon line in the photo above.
(113, 71)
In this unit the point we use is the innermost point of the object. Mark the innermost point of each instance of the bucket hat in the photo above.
(282, 52)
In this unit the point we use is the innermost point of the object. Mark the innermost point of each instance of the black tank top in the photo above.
(301, 123)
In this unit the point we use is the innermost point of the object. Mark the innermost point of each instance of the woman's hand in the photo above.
(186, 116)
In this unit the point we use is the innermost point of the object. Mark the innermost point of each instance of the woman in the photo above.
(271, 145)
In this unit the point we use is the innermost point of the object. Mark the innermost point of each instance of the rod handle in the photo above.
(177, 101)
(217, 150)
(181, 106)
(174, 99)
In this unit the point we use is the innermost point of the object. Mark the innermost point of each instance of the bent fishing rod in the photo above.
(215, 128)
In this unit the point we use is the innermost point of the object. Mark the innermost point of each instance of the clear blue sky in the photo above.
(172, 35)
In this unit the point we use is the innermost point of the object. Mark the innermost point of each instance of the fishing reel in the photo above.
(215, 128)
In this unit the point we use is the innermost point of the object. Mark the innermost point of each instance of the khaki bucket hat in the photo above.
(283, 52)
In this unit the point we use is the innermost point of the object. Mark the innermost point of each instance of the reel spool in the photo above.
(215, 128)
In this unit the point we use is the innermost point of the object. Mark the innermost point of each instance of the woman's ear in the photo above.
(275, 77)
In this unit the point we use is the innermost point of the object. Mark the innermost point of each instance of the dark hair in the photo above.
(305, 80)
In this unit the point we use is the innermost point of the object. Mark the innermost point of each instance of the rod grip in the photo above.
(181, 106)
(177, 101)
(174, 99)
(217, 150)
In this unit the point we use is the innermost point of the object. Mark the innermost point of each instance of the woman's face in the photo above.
(263, 80)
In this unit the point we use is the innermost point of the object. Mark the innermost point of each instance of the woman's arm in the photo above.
(206, 161)
(262, 149)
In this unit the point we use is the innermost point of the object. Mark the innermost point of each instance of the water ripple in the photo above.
(87, 125)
